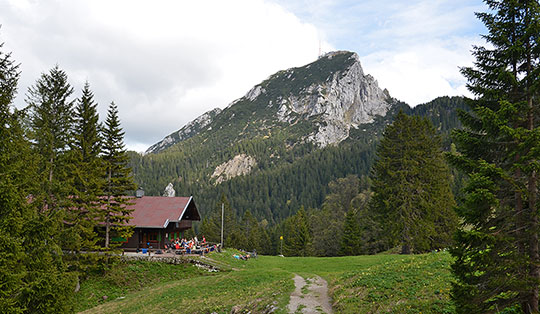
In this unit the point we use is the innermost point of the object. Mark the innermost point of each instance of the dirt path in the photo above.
(310, 296)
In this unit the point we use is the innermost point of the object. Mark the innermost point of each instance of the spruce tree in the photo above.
(252, 232)
(351, 240)
(211, 223)
(32, 272)
(327, 224)
(412, 198)
(237, 239)
(51, 281)
(118, 180)
(85, 168)
(266, 245)
(14, 155)
(51, 123)
(211, 228)
(497, 254)
(298, 235)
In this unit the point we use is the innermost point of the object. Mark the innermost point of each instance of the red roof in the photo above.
(158, 211)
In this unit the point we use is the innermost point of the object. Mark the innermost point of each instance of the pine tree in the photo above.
(297, 235)
(351, 241)
(327, 225)
(86, 172)
(118, 180)
(13, 201)
(51, 123)
(412, 197)
(497, 254)
(32, 272)
(211, 228)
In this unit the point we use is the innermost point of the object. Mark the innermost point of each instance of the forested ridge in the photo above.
(291, 170)
(288, 175)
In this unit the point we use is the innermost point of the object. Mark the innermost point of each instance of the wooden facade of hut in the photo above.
(158, 219)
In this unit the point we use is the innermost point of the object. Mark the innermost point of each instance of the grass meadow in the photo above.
(357, 284)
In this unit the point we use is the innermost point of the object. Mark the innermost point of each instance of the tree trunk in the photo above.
(521, 234)
(107, 219)
(406, 246)
(534, 258)
(534, 271)
(107, 231)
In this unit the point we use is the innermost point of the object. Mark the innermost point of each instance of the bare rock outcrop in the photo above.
(240, 165)
(169, 191)
(347, 99)
(333, 94)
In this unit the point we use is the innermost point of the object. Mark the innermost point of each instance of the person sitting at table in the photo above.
(168, 246)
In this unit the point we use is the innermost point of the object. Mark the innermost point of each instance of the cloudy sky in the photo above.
(165, 62)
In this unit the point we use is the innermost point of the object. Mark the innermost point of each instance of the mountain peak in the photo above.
(325, 98)
(332, 54)
(334, 89)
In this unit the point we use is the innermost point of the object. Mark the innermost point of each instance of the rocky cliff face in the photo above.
(347, 98)
(169, 191)
(240, 165)
(327, 98)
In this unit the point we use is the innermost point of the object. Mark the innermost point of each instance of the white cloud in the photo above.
(420, 73)
(413, 48)
(166, 62)
(423, 45)
(163, 63)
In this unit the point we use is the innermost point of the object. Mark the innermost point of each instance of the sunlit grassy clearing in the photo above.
(358, 284)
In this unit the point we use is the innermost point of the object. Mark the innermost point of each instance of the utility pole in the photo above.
(222, 215)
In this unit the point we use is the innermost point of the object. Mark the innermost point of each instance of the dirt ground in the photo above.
(310, 296)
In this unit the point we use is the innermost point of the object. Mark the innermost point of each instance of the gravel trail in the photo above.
(310, 296)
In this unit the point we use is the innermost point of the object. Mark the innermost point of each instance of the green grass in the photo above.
(357, 284)
(125, 278)
(247, 289)
(408, 284)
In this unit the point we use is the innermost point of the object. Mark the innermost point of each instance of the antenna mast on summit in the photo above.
(320, 49)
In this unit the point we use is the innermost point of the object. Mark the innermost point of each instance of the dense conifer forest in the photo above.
(263, 206)
(57, 165)
(287, 178)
